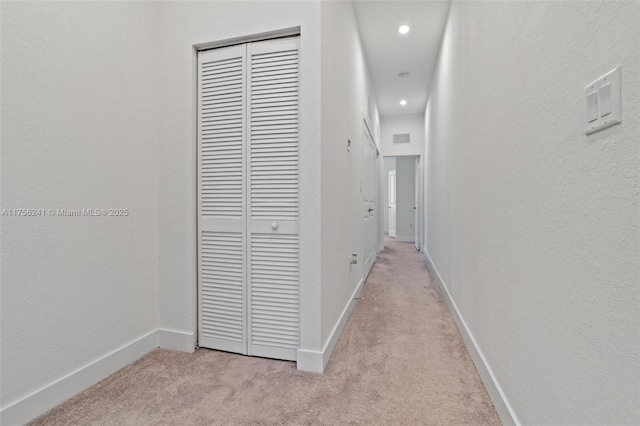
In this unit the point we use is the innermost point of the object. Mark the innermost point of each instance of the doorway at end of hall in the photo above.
(401, 198)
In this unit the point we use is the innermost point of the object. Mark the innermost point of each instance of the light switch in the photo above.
(605, 100)
(592, 107)
(602, 102)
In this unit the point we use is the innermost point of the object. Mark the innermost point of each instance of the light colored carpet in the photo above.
(400, 360)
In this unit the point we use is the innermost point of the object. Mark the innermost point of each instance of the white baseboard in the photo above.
(339, 327)
(315, 361)
(310, 361)
(499, 399)
(174, 340)
(53, 394)
(405, 239)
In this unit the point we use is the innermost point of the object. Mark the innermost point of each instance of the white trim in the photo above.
(421, 194)
(405, 239)
(499, 399)
(316, 362)
(367, 124)
(49, 396)
(310, 361)
(332, 341)
(268, 35)
(173, 340)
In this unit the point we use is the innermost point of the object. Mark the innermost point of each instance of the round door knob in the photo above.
(274, 226)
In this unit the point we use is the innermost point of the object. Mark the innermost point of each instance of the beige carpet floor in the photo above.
(400, 360)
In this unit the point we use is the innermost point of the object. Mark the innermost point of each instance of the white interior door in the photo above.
(392, 203)
(273, 276)
(222, 203)
(248, 253)
(369, 196)
(416, 204)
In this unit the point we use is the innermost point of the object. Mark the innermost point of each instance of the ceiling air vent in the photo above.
(402, 138)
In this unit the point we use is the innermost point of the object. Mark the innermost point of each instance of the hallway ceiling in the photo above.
(390, 53)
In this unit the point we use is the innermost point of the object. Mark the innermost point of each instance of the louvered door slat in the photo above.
(269, 295)
(221, 294)
(221, 201)
(274, 195)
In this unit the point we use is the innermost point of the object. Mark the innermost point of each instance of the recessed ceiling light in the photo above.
(403, 102)
(403, 29)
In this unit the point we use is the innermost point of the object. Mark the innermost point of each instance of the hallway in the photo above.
(400, 360)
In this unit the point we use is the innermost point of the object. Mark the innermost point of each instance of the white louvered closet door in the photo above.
(273, 203)
(248, 199)
(222, 199)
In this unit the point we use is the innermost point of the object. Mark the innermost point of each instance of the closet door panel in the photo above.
(222, 160)
(273, 134)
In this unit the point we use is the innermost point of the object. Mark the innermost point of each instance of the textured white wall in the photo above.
(533, 226)
(184, 24)
(395, 124)
(79, 130)
(405, 190)
(98, 110)
(346, 89)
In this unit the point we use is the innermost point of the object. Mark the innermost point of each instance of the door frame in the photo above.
(421, 195)
(196, 49)
(366, 128)
(417, 207)
(389, 186)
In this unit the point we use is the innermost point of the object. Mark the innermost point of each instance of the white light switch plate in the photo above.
(608, 103)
